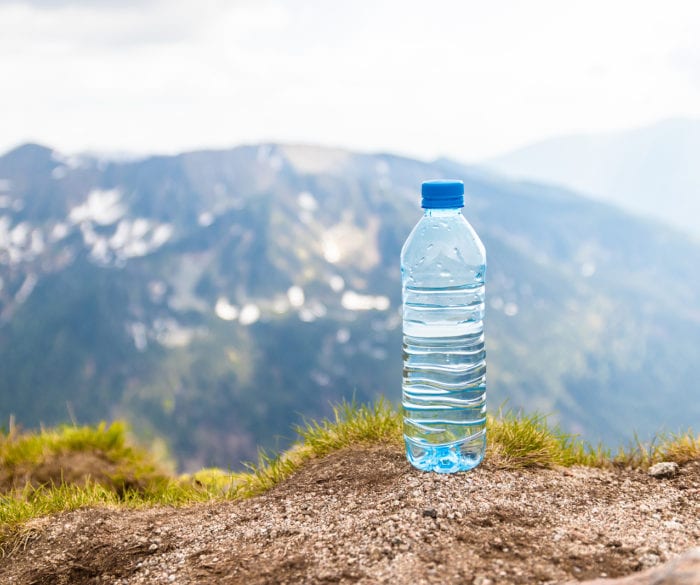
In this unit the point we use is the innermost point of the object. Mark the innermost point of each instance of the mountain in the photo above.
(214, 298)
(653, 171)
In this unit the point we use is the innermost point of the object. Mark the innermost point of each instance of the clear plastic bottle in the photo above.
(443, 266)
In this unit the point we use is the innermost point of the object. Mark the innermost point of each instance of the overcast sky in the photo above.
(466, 79)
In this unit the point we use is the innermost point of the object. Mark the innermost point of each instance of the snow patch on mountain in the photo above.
(131, 238)
(100, 207)
(20, 242)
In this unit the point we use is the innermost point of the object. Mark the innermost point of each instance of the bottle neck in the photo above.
(449, 212)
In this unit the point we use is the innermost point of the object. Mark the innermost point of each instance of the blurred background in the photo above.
(202, 206)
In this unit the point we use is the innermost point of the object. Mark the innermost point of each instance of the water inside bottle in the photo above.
(444, 377)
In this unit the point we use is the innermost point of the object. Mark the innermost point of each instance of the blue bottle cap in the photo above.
(442, 194)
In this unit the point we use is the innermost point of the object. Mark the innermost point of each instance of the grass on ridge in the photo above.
(16, 449)
(515, 441)
(677, 447)
(352, 424)
(65, 452)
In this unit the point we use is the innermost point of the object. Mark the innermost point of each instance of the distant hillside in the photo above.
(653, 170)
(216, 297)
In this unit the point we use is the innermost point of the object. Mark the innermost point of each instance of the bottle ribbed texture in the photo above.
(443, 268)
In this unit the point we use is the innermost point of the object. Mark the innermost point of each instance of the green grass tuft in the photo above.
(516, 440)
(677, 447)
(20, 454)
(681, 448)
(21, 505)
(30, 448)
(352, 424)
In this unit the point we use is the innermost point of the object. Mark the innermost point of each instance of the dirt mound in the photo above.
(72, 467)
(364, 516)
(75, 467)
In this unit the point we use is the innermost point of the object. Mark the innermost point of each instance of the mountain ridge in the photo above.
(650, 170)
(170, 290)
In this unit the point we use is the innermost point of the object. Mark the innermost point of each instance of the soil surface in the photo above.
(364, 515)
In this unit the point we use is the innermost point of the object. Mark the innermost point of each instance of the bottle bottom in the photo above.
(450, 458)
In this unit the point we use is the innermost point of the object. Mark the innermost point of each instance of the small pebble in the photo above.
(663, 470)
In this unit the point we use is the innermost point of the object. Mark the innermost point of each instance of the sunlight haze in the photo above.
(467, 80)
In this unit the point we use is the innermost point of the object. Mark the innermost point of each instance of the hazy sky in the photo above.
(465, 79)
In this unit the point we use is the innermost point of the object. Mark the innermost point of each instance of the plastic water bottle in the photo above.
(443, 265)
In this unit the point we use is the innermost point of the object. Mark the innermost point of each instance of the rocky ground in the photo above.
(364, 516)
